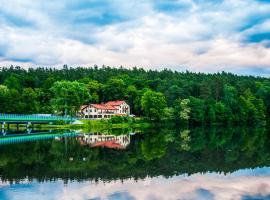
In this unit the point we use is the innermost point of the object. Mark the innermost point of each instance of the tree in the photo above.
(14, 104)
(263, 92)
(94, 88)
(153, 104)
(230, 95)
(30, 101)
(230, 102)
(220, 112)
(43, 99)
(173, 93)
(211, 115)
(3, 97)
(182, 109)
(197, 114)
(114, 89)
(205, 91)
(252, 110)
(131, 94)
(69, 96)
(13, 82)
(168, 113)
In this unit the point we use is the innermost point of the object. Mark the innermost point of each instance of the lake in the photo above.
(154, 163)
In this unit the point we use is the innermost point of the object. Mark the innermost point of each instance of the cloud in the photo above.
(241, 184)
(205, 36)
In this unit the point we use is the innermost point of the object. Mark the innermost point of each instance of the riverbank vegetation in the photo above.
(183, 97)
(116, 122)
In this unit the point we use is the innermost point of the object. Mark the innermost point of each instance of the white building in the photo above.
(105, 110)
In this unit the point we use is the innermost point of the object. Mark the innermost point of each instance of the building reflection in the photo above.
(102, 140)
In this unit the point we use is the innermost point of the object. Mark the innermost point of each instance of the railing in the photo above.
(34, 117)
(34, 137)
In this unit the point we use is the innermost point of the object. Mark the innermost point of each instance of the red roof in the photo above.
(103, 107)
(114, 103)
(110, 105)
(108, 144)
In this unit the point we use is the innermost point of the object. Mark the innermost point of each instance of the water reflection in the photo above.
(102, 140)
(163, 162)
(242, 184)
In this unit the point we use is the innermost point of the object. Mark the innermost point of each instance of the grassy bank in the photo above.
(103, 125)
(99, 125)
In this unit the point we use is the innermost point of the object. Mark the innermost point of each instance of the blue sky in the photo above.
(195, 35)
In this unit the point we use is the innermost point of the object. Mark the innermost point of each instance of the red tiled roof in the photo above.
(108, 144)
(103, 107)
(114, 103)
(110, 105)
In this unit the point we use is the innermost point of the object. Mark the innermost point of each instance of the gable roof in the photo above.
(103, 107)
(110, 105)
(115, 103)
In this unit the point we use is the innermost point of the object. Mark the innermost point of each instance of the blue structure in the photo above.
(20, 138)
(32, 119)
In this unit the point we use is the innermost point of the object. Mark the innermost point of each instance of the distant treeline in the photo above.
(197, 98)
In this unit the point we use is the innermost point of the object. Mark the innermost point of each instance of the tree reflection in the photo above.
(184, 140)
(162, 151)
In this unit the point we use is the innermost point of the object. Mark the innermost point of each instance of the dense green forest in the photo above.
(196, 98)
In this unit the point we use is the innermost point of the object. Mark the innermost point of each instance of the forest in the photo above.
(183, 97)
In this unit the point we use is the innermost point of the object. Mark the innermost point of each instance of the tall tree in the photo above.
(30, 101)
(69, 96)
(114, 89)
(182, 110)
(153, 104)
(197, 114)
(3, 98)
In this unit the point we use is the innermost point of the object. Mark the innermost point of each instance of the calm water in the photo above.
(231, 163)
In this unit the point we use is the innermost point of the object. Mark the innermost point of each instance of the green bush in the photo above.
(120, 119)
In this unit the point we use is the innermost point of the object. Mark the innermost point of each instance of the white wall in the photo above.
(90, 110)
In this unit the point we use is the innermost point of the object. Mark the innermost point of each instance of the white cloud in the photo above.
(197, 186)
(205, 38)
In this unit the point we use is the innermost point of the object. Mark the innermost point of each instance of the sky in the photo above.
(196, 35)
